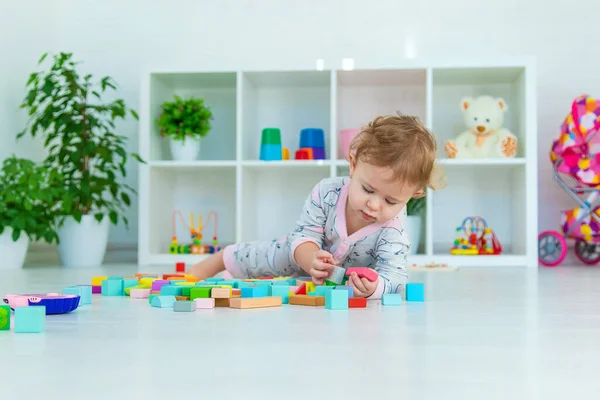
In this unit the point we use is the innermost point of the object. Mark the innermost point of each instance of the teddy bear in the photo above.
(485, 137)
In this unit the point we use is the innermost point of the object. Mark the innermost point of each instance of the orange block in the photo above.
(220, 293)
(306, 300)
(182, 298)
(221, 302)
(357, 302)
(255, 302)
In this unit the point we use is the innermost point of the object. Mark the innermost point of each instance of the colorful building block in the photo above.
(350, 290)
(214, 279)
(127, 283)
(84, 292)
(281, 291)
(31, 319)
(337, 275)
(254, 292)
(96, 289)
(222, 302)
(4, 318)
(391, 299)
(220, 293)
(205, 303)
(357, 302)
(180, 267)
(184, 306)
(139, 293)
(112, 287)
(171, 290)
(163, 301)
(322, 290)
(200, 292)
(306, 300)
(255, 302)
(152, 296)
(97, 280)
(336, 300)
(363, 272)
(415, 292)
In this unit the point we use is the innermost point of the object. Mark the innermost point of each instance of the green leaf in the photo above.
(16, 234)
(125, 198)
(114, 217)
(42, 58)
(135, 114)
(99, 217)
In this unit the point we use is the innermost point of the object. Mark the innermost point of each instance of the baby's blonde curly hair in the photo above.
(403, 144)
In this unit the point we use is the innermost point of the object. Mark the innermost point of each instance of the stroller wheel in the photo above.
(552, 248)
(587, 253)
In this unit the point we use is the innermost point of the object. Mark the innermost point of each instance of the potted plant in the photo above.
(414, 210)
(81, 138)
(184, 122)
(28, 208)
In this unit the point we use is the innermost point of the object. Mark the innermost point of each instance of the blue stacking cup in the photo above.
(312, 137)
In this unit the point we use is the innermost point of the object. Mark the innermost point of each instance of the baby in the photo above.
(350, 221)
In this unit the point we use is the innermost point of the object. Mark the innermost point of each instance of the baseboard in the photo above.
(116, 253)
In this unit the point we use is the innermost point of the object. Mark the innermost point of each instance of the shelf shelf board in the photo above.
(193, 164)
(260, 164)
(482, 161)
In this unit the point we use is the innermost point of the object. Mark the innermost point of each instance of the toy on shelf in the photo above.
(270, 145)
(486, 136)
(313, 139)
(55, 303)
(196, 246)
(477, 238)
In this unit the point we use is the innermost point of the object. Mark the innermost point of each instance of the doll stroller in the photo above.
(575, 155)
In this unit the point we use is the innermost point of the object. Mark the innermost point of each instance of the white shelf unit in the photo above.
(261, 200)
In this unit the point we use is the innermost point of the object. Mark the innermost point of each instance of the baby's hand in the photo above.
(362, 286)
(321, 266)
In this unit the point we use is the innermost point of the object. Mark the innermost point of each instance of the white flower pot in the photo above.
(413, 228)
(13, 253)
(187, 150)
(83, 244)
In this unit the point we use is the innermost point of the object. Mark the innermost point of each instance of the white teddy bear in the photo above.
(485, 137)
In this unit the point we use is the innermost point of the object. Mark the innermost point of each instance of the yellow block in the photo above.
(310, 287)
(97, 280)
(146, 283)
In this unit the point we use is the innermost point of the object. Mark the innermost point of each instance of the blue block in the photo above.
(163, 301)
(323, 290)
(127, 283)
(214, 279)
(243, 284)
(391, 299)
(350, 290)
(171, 290)
(84, 292)
(112, 287)
(260, 291)
(281, 291)
(336, 300)
(415, 292)
(31, 319)
(282, 282)
(270, 152)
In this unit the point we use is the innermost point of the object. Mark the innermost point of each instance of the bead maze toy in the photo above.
(196, 246)
(477, 238)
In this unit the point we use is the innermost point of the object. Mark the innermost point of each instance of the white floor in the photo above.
(481, 334)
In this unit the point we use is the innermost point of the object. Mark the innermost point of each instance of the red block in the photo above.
(363, 272)
(304, 153)
(301, 289)
(357, 302)
(180, 267)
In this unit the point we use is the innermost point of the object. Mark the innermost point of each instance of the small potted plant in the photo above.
(184, 122)
(67, 109)
(414, 211)
(29, 208)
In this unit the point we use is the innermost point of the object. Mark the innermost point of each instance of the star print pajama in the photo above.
(381, 246)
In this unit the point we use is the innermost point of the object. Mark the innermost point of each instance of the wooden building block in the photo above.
(4, 318)
(163, 301)
(184, 306)
(391, 299)
(30, 319)
(323, 290)
(254, 292)
(283, 292)
(306, 300)
(349, 289)
(222, 302)
(139, 293)
(220, 293)
(363, 272)
(200, 292)
(112, 287)
(236, 293)
(182, 298)
(336, 300)
(171, 290)
(204, 303)
(97, 280)
(301, 289)
(337, 275)
(415, 292)
(357, 302)
(255, 302)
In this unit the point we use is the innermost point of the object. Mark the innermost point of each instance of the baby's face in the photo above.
(374, 196)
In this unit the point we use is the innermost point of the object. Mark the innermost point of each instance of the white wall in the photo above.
(120, 37)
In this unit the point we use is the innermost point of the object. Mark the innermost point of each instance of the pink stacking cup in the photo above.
(346, 136)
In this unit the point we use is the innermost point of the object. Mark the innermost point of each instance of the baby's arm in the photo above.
(391, 262)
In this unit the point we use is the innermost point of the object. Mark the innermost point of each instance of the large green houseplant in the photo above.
(80, 134)
(184, 122)
(29, 207)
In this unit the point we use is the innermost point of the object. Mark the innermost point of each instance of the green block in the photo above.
(4, 318)
(30, 319)
(200, 292)
(336, 300)
(329, 283)
(128, 283)
(185, 291)
(112, 287)
(283, 292)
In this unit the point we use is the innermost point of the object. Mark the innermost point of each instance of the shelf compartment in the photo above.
(288, 100)
(218, 89)
(196, 190)
(272, 199)
(495, 192)
(450, 85)
(363, 95)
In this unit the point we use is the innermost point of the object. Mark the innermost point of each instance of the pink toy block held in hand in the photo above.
(363, 272)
